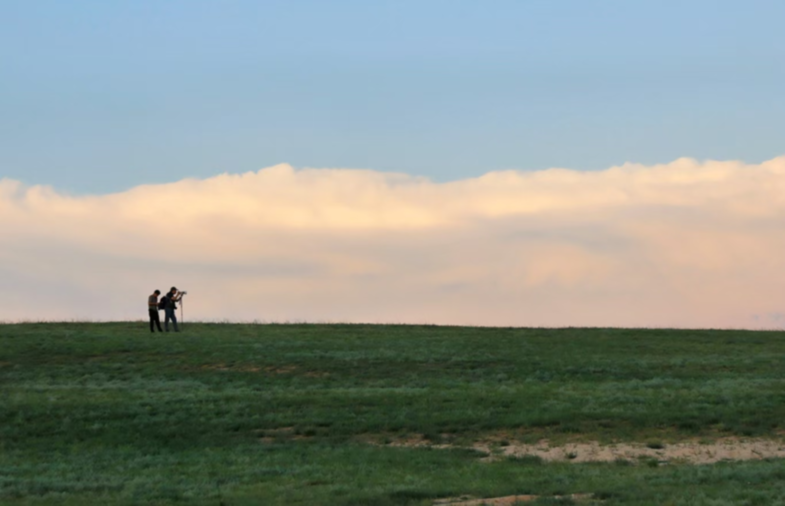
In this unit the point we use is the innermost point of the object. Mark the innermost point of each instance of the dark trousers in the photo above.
(154, 320)
(169, 312)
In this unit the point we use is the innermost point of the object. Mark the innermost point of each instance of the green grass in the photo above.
(276, 414)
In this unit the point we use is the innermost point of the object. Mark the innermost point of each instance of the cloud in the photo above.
(686, 244)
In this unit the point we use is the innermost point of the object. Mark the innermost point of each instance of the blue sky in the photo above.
(98, 97)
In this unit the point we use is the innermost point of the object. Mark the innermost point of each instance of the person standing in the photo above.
(170, 307)
(152, 309)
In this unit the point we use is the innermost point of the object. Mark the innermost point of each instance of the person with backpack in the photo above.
(168, 304)
(152, 309)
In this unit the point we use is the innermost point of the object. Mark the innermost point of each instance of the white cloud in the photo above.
(681, 244)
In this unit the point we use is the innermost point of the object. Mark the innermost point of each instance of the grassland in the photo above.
(302, 414)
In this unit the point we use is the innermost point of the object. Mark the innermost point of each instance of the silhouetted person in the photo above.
(152, 308)
(170, 307)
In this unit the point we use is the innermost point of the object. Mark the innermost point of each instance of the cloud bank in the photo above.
(685, 244)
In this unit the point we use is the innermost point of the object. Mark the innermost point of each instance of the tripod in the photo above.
(182, 318)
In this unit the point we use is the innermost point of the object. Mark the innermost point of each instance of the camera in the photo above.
(183, 293)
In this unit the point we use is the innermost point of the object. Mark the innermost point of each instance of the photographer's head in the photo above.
(173, 290)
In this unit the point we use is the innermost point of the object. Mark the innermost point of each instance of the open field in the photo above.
(386, 415)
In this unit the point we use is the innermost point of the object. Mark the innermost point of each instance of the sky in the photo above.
(557, 163)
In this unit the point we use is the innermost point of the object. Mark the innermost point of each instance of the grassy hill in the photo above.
(319, 414)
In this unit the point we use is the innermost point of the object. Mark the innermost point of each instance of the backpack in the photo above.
(162, 302)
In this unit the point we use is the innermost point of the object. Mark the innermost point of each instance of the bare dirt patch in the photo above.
(502, 501)
(692, 452)
(415, 441)
(286, 369)
(689, 452)
(229, 367)
(269, 436)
